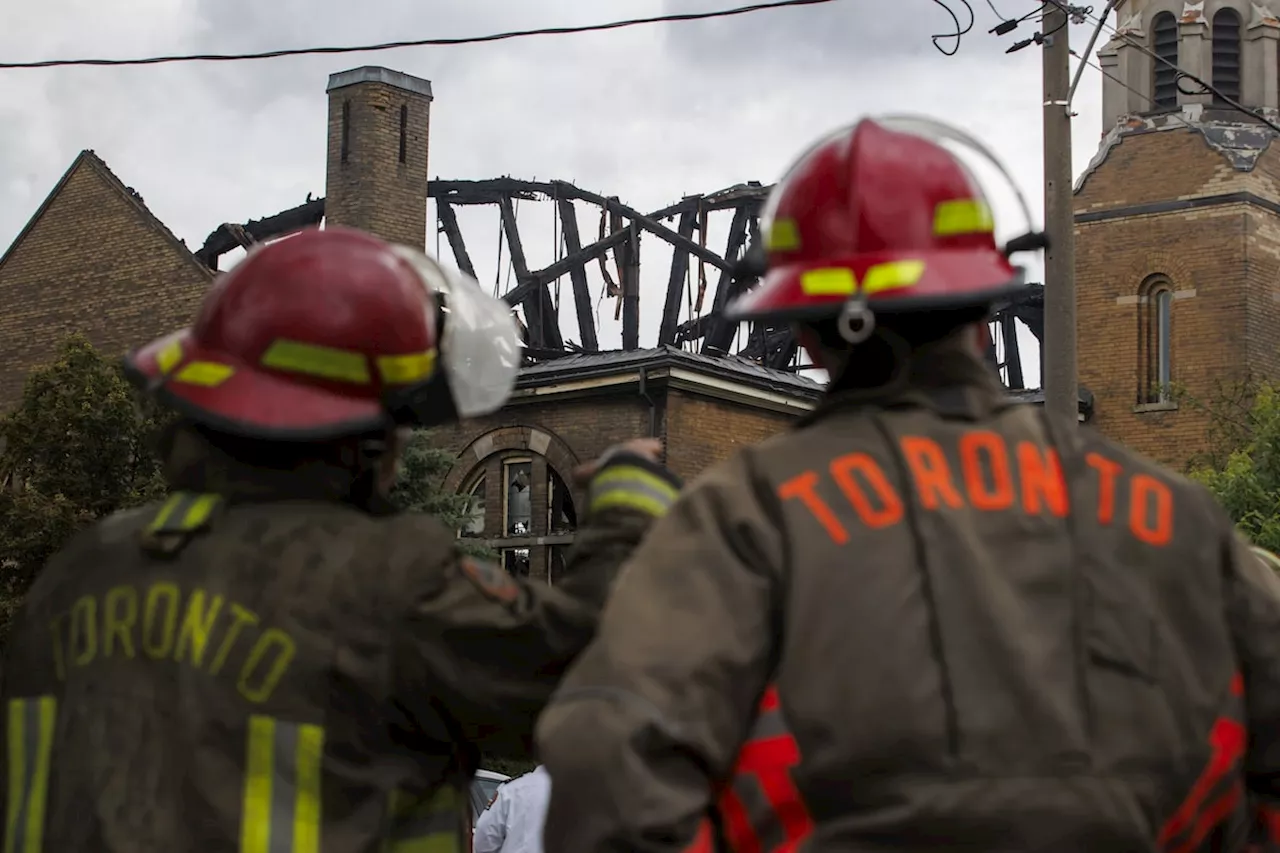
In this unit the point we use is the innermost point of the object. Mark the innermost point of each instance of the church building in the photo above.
(1178, 223)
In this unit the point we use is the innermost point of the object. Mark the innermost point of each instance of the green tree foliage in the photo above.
(77, 447)
(420, 487)
(1246, 477)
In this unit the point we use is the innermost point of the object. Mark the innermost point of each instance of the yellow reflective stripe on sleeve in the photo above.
(1270, 559)
(833, 281)
(892, 275)
(322, 362)
(31, 723)
(962, 216)
(184, 512)
(407, 369)
(170, 354)
(209, 374)
(432, 825)
(631, 487)
(282, 805)
(783, 236)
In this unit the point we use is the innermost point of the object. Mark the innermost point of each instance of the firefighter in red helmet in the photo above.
(924, 618)
(271, 658)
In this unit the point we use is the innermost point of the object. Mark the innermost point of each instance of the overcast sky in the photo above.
(648, 114)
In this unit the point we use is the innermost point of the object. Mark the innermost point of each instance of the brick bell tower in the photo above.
(376, 176)
(1178, 222)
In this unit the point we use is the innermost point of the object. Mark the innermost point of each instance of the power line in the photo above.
(1113, 78)
(440, 42)
(1181, 73)
(961, 30)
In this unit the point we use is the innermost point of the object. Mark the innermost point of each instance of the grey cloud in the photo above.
(837, 35)
(648, 114)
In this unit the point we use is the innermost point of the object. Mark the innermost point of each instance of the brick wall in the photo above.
(702, 431)
(1221, 261)
(94, 261)
(372, 189)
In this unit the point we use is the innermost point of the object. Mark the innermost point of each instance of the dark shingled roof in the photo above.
(587, 365)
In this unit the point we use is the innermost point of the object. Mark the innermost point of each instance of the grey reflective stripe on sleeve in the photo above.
(432, 825)
(631, 487)
(31, 723)
(283, 767)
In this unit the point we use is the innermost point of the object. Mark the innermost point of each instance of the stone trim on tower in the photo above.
(1231, 44)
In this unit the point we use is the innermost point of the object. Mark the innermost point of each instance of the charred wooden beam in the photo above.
(1012, 358)
(452, 233)
(752, 193)
(491, 191)
(693, 329)
(578, 275)
(562, 266)
(532, 302)
(676, 282)
(224, 238)
(783, 351)
(720, 336)
(648, 223)
(629, 258)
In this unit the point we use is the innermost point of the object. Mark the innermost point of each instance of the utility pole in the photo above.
(1058, 360)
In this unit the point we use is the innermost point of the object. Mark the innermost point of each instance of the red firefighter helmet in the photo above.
(879, 218)
(331, 333)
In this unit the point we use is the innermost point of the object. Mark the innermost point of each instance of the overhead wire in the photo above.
(961, 30)
(442, 42)
(1113, 78)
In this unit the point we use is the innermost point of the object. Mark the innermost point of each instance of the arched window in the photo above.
(520, 505)
(1155, 330)
(1226, 55)
(1164, 77)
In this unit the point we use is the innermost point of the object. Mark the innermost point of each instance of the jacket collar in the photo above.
(945, 377)
(193, 464)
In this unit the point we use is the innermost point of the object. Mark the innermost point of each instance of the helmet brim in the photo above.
(952, 280)
(232, 397)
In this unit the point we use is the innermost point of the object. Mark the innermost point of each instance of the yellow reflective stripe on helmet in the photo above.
(322, 362)
(431, 825)
(184, 512)
(31, 723)
(168, 356)
(282, 811)
(962, 216)
(209, 374)
(840, 281)
(831, 281)
(892, 275)
(631, 487)
(407, 369)
(783, 236)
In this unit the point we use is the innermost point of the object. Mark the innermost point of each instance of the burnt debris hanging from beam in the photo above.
(681, 225)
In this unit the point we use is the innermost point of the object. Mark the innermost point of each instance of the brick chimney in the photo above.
(376, 178)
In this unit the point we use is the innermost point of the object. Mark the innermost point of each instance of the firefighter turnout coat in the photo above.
(254, 665)
(921, 622)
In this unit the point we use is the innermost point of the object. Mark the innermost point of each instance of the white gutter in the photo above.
(679, 378)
